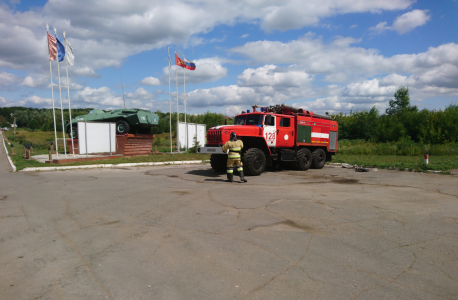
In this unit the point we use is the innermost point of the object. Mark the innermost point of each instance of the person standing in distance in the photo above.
(235, 147)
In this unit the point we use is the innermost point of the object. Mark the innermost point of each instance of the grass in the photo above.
(39, 139)
(438, 163)
(404, 147)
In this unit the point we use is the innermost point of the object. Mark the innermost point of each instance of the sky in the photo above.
(325, 56)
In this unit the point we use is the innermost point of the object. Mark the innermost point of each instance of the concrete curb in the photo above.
(13, 167)
(114, 165)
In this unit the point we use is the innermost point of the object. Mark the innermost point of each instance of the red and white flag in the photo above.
(52, 45)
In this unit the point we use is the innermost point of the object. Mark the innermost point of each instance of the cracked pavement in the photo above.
(181, 232)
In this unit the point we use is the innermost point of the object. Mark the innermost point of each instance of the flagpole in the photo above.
(60, 96)
(184, 102)
(69, 107)
(170, 104)
(52, 96)
(178, 114)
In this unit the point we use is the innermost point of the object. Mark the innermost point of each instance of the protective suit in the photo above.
(233, 159)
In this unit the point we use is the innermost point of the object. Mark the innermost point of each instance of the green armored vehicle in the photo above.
(127, 120)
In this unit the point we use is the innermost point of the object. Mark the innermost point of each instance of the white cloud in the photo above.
(380, 27)
(297, 14)
(7, 79)
(150, 81)
(207, 70)
(271, 75)
(313, 55)
(435, 70)
(404, 23)
(3, 101)
(36, 101)
(97, 97)
(339, 57)
(87, 72)
(410, 20)
(140, 94)
(232, 110)
(104, 32)
(245, 36)
(368, 88)
(35, 82)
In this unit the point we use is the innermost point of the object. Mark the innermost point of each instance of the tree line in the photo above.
(401, 121)
(37, 118)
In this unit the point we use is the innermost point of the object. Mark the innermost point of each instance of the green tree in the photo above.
(33, 124)
(401, 102)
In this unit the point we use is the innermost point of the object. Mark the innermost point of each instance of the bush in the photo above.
(403, 147)
(34, 125)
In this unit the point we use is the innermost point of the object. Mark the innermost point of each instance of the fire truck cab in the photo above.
(275, 135)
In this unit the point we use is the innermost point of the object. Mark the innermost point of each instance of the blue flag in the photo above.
(60, 50)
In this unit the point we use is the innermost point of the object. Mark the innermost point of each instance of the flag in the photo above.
(52, 46)
(69, 57)
(170, 63)
(60, 50)
(179, 62)
(189, 64)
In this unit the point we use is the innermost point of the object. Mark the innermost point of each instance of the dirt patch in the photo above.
(345, 181)
(112, 222)
(296, 225)
(150, 173)
(181, 192)
(287, 225)
(3, 198)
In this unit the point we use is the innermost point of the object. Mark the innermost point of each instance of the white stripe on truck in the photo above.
(320, 135)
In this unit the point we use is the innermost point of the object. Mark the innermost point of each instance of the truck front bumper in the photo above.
(212, 150)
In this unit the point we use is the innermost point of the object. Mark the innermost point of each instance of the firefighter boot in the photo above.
(230, 177)
(242, 177)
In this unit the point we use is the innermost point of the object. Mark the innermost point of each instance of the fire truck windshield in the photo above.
(249, 120)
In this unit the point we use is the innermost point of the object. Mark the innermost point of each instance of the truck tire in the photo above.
(318, 159)
(122, 127)
(218, 162)
(254, 162)
(304, 159)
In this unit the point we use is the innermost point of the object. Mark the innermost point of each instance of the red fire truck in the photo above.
(276, 135)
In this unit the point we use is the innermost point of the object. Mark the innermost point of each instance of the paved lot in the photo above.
(180, 232)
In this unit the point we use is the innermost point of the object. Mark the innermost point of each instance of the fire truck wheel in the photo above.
(218, 162)
(254, 162)
(318, 158)
(304, 159)
(122, 127)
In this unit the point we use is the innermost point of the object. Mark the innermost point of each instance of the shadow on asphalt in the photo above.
(217, 180)
(205, 173)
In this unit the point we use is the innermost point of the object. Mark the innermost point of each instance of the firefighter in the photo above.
(235, 147)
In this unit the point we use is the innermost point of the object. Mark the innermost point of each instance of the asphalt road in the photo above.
(181, 232)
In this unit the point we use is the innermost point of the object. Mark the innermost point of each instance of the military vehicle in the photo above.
(132, 120)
